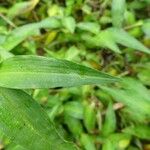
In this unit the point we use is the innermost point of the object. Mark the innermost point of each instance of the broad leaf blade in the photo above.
(24, 72)
(26, 124)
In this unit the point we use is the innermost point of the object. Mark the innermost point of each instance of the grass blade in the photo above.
(25, 72)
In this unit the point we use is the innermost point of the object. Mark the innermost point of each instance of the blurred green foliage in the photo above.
(112, 36)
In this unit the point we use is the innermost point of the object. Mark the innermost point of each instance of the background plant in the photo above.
(52, 103)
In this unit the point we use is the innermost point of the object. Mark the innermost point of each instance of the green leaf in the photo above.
(89, 116)
(122, 37)
(26, 124)
(19, 34)
(92, 27)
(143, 70)
(102, 39)
(109, 125)
(108, 145)
(21, 8)
(74, 109)
(74, 125)
(144, 76)
(146, 27)
(24, 72)
(117, 141)
(140, 131)
(136, 102)
(120, 140)
(5, 54)
(69, 23)
(87, 142)
(72, 53)
(109, 38)
(147, 1)
(132, 148)
(118, 10)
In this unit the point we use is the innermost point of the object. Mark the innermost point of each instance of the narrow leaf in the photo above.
(123, 38)
(109, 38)
(21, 8)
(102, 39)
(118, 10)
(109, 125)
(89, 117)
(26, 72)
(136, 102)
(140, 131)
(19, 34)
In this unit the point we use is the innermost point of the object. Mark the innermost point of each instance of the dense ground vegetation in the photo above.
(98, 111)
